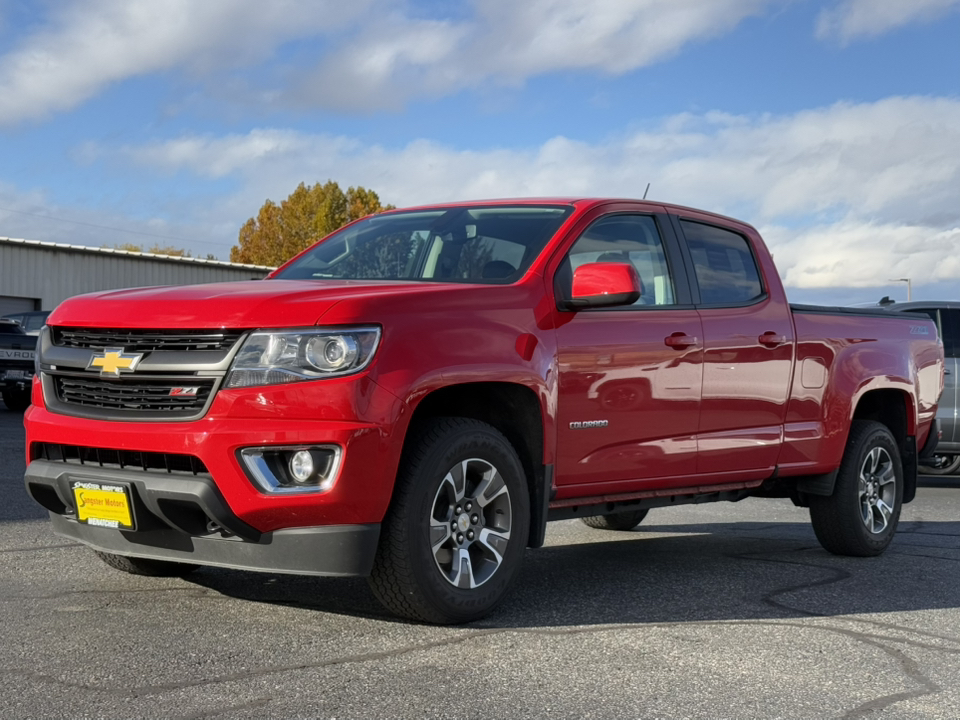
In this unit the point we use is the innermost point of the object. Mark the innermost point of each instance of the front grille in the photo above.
(119, 459)
(145, 340)
(136, 394)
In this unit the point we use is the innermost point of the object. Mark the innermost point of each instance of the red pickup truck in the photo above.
(415, 396)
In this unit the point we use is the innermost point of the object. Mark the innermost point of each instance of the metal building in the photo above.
(40, 275)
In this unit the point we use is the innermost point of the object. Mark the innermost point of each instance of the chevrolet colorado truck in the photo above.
(16, 365)
(414, 397)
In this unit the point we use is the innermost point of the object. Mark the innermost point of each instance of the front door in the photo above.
(629, 378)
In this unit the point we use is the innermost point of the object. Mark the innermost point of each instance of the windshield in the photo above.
(493, 244)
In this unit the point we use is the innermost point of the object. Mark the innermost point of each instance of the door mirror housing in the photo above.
(604, 284)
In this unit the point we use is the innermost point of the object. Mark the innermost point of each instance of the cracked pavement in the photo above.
(705, 611)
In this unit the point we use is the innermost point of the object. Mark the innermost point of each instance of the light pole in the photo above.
(909, 288)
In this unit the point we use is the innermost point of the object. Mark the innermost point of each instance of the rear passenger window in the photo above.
(632, 239)
(726, 270)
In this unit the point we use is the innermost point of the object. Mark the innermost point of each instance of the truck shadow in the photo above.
(674, 573)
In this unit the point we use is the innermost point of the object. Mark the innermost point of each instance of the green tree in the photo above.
(279, 232)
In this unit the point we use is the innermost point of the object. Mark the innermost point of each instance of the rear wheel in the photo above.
(627, 520)
(861, 516)
(942, 465)
(145, 566)
(16, 400)
(453, 539)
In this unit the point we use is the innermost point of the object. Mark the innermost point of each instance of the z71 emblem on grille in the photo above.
(113, 361)
(184, 391)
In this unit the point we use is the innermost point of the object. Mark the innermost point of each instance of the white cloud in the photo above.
(383, 56)
(858, 18)
(864, 254)
(507, 42)
(89, 44)
(878, 181)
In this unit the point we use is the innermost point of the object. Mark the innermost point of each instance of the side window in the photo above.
(950, 329)
(632, 239)
(726, 270)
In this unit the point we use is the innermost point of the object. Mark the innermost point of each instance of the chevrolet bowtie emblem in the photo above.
(113, 361)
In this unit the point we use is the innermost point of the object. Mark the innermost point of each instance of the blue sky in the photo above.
(831, 125)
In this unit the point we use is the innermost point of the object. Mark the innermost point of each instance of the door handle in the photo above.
(680, 340)
(771, 340)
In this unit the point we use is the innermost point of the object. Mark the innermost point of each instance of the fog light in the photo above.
(292, 469)
(301, 466)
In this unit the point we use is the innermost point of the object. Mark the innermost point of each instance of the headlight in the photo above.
(273, 358)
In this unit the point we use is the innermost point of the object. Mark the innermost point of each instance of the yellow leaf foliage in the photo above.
(279, 232)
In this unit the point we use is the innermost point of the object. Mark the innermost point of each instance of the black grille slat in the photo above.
(147, 394)
(145, 340)
(168, 463)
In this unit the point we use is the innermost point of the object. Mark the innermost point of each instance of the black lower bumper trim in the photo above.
(182, 518)
(335, 550)
(161, 500)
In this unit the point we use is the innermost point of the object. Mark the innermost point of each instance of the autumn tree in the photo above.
(279, 232)
(156, 249)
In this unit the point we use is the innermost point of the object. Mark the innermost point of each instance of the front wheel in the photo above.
(941, 465)
(452, 541)
(16, 400)
(861, 516)
(146, 566)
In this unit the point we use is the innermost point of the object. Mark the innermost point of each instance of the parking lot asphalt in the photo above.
(709, 611)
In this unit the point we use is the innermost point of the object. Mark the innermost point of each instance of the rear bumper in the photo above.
(185, 519)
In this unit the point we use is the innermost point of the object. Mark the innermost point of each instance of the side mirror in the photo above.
(606, 284)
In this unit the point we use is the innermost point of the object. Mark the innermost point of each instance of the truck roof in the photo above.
(578, 201)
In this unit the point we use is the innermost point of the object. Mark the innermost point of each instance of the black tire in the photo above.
(851, 521)
(626, 520)
(942, 465)
(16, 401)
(145, 566)
(410, 574)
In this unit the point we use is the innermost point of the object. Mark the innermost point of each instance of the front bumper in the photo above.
(304, 414)
(185, 519)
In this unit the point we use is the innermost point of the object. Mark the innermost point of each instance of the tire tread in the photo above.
(626, 520)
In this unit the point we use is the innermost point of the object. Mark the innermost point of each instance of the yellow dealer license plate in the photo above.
(103, 504)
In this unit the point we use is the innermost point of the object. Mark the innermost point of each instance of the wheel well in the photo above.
(888, 407)
(892, 408)
(512, 409)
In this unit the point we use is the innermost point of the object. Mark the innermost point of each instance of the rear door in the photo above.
(629, 378)
(748, 350)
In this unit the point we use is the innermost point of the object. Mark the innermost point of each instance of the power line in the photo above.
(114, 229)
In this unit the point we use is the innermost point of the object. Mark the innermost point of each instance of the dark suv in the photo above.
(946, 314)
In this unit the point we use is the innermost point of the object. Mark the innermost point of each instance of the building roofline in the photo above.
(128, 253)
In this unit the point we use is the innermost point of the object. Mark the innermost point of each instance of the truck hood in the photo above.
(240, 305)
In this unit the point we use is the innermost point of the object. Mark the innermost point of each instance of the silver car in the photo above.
(946, 314)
